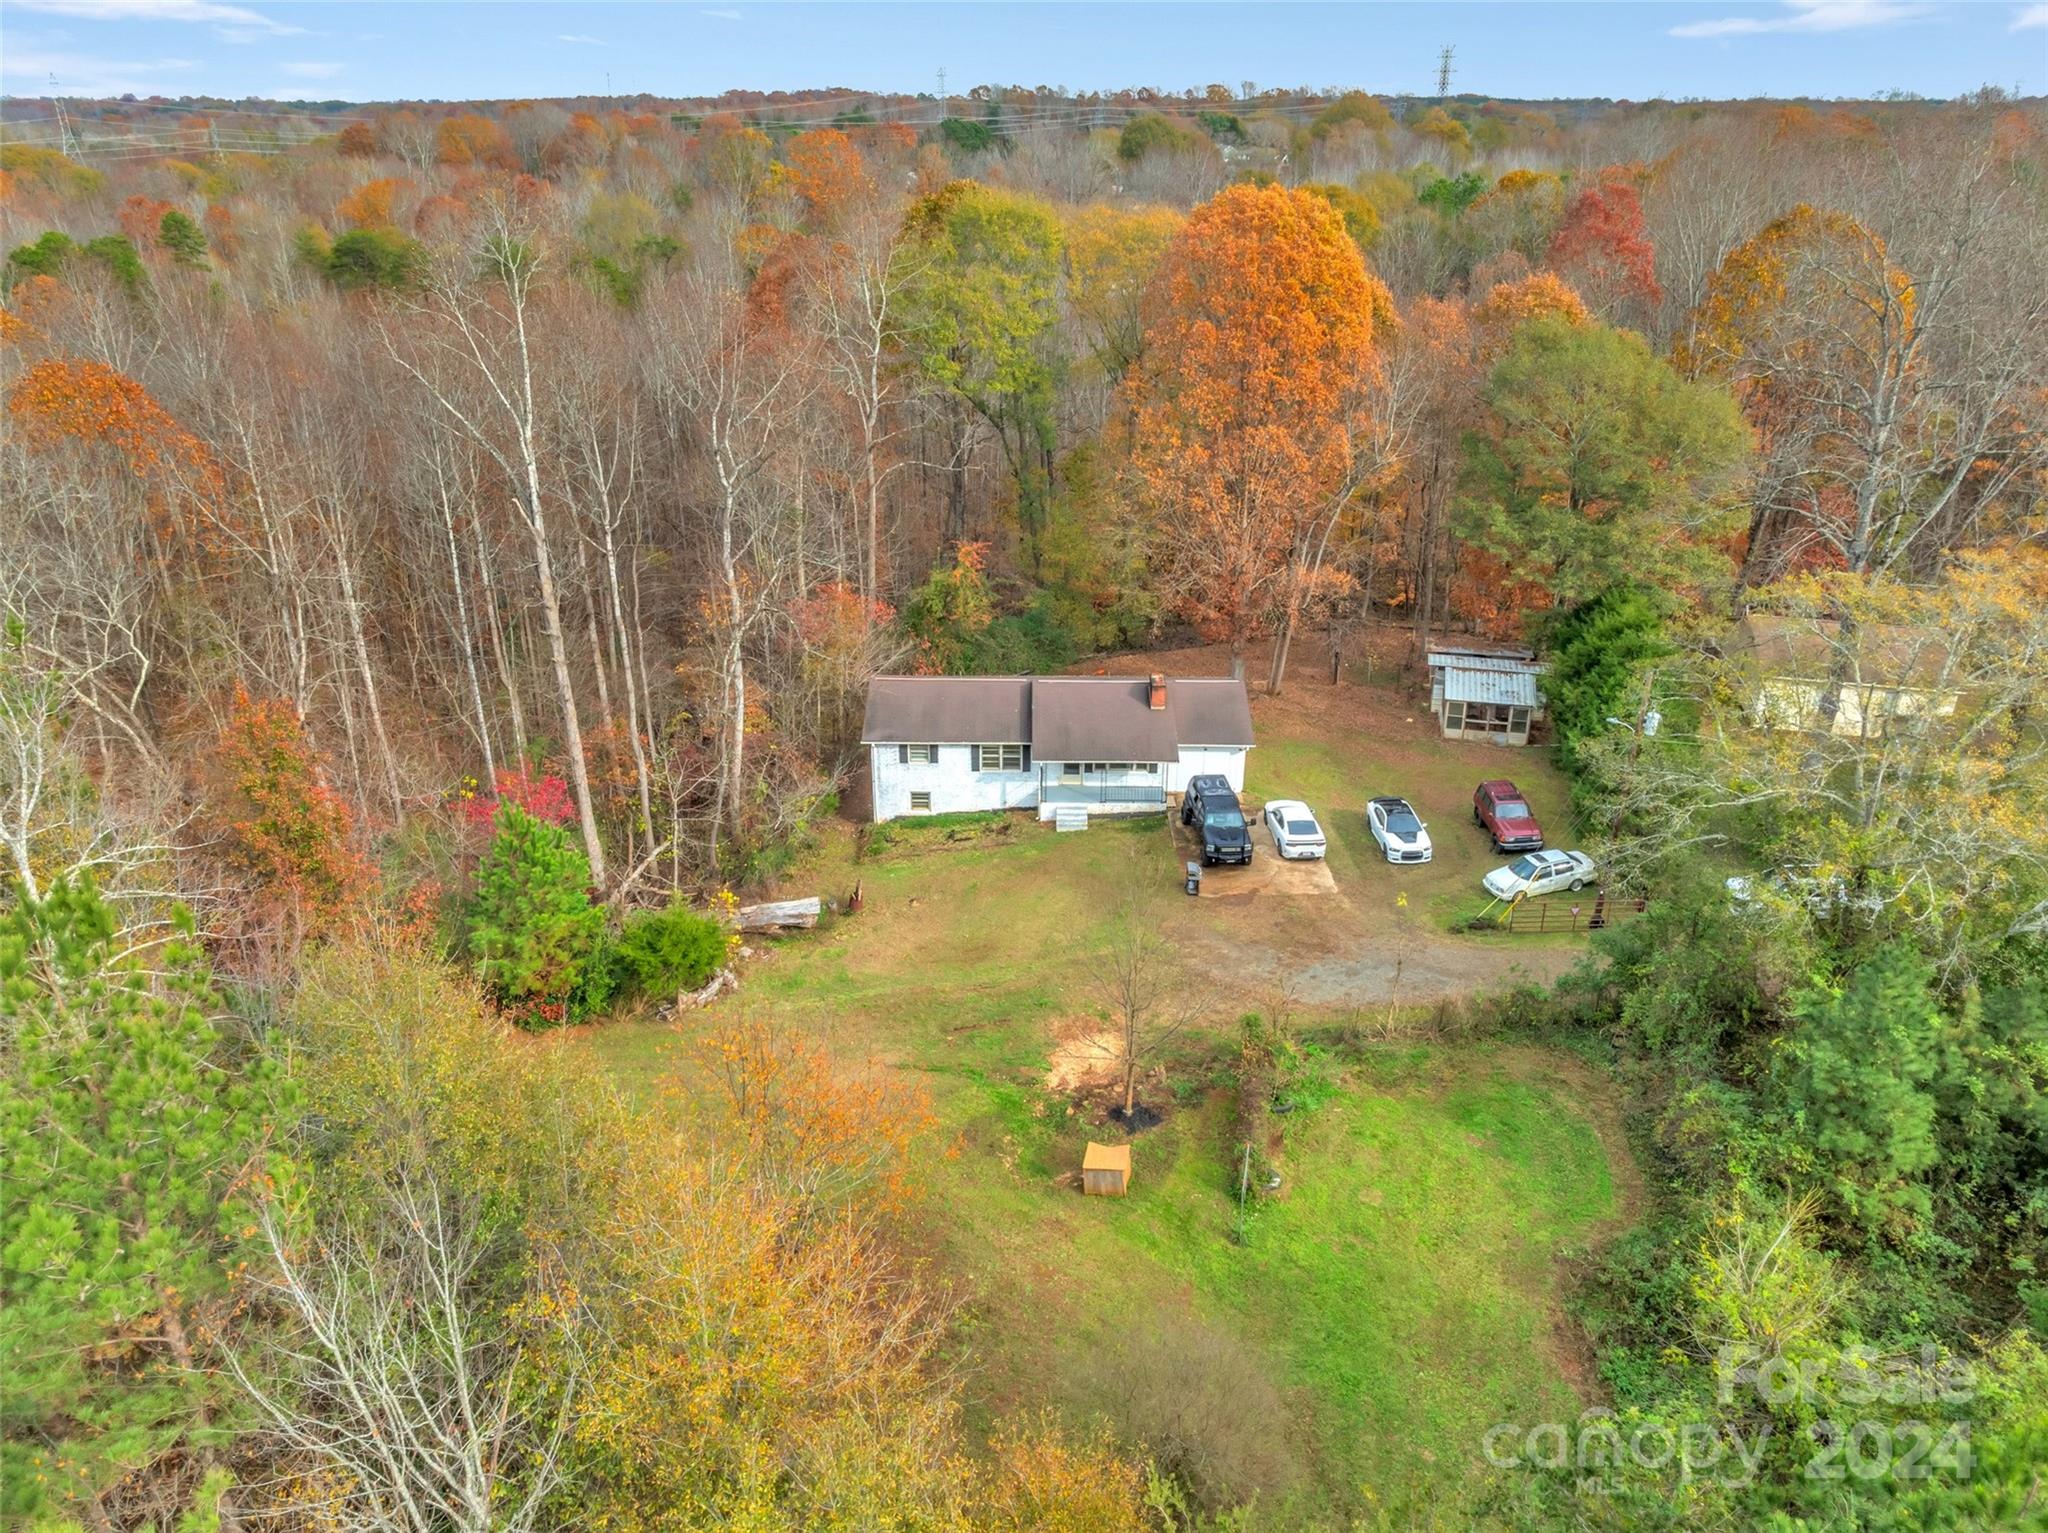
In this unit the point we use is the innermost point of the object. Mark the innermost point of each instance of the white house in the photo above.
(1106, 744)
(1808, 675)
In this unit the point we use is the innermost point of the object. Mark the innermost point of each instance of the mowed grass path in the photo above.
(1396, 1298)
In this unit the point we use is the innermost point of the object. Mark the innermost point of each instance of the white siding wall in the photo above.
(1196, 760)
(950, 779)
(955, 787)
(1864, 709)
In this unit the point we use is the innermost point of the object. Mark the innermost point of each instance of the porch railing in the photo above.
(1057, 792)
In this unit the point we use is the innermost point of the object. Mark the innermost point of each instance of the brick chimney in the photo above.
(1158, 697)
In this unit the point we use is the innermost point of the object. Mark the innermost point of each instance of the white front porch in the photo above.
(1100, 788)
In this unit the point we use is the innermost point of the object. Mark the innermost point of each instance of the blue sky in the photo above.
(367, 50)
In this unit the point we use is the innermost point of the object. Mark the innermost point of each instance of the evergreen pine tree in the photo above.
(1860, 1086)
(182, 238)
(132, 1154)
(1599, 650)
(533, 928)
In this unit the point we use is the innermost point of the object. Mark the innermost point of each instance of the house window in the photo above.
(1454, 715)
(919, 755)
(1119, 766)
(920, 803)
(1001, 758)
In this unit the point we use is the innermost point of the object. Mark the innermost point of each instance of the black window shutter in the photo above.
(1026, 763)
(974, 764)
(903, 755)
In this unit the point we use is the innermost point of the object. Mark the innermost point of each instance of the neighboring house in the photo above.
(1486, 694)
(1875, 675)
(1109, 744)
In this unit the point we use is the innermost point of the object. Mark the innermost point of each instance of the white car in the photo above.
(1295, 831)
(1542, 873)
(1399, 830)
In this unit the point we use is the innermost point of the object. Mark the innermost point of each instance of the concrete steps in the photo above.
(1069, 817)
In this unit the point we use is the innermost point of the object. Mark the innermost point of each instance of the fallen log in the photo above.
(722, 981)
(779, 915)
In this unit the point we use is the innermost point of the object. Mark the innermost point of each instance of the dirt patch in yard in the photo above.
(1331, 953)
(1084, 1061)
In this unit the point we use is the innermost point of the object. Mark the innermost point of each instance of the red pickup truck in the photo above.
(1499, 806)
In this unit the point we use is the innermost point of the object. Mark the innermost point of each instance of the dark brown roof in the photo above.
(1809, 649)
(1062, 718)
(948, 710)
(1102, 718)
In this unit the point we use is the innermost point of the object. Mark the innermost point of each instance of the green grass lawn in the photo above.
(1386, 1307)
(1395, 1298)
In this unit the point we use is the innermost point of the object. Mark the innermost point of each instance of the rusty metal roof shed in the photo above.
(1513, 689)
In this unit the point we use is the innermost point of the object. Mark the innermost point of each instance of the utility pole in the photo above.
(1646, 724)
(942, 85)
(1443, 72)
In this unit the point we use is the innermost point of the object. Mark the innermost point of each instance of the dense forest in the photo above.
(442, 562)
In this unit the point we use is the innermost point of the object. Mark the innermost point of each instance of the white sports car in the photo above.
(1542, 873)
(1295, 831)
(1399, 830)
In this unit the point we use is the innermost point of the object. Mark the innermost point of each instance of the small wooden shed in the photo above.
(1106, 1170)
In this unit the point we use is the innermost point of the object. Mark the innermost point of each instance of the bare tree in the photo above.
(1135, 982)
(732, 388)
(859, 293)
(399, 1370)
(477, 315)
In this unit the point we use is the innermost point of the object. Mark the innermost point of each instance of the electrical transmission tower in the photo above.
(1443, 71)
(65, 141)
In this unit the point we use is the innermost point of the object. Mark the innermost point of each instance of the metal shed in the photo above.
(1106, 1170)
(1481, 699)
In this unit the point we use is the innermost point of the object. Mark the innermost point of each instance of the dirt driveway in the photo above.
(1279, 925)
(1269, 874)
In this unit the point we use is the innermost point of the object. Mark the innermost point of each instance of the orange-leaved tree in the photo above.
(284, 827)
(72, 404)
(825, 172)
(1813, 327)
(1604, 244)
(1246, 410)
(1508, 306)
(369, 206)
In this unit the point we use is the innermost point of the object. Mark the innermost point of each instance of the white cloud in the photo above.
(311, 71)
(235, 19)
(578, 37)
(1810, 16)
(82, 74)
(2033, 16)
